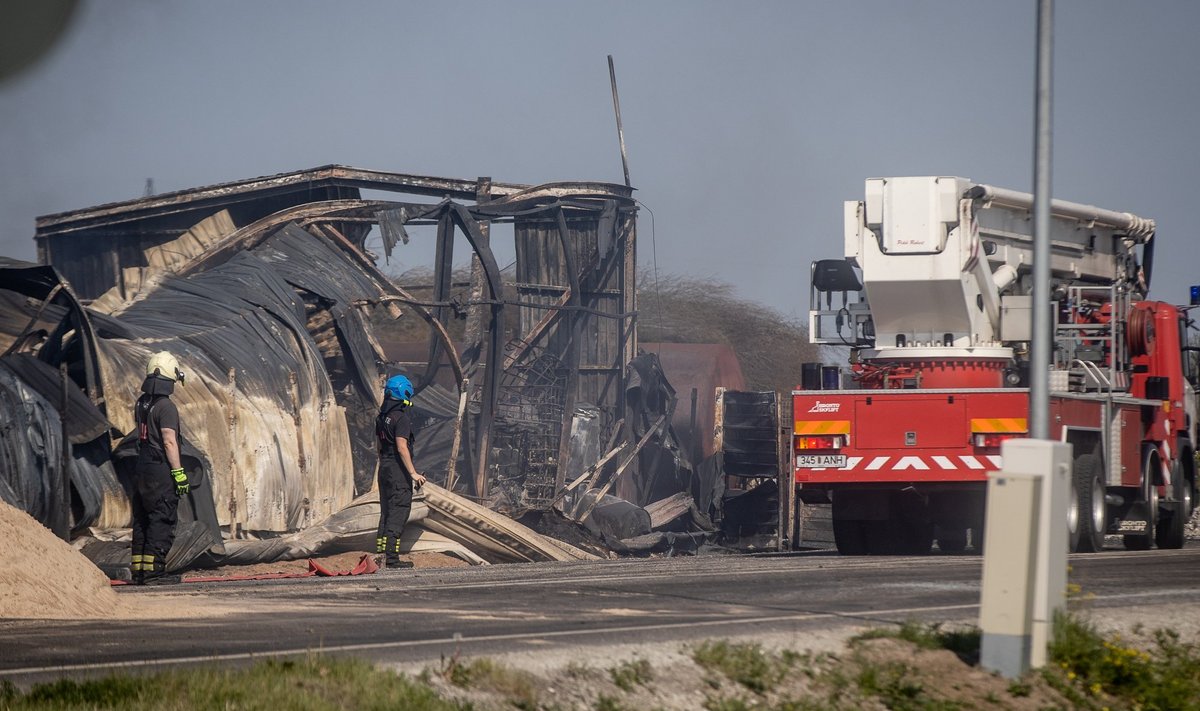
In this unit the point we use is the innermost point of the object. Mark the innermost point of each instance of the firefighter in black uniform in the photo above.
(397, 473)
(159, 479)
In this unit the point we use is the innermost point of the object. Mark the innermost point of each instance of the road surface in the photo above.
(413, 617)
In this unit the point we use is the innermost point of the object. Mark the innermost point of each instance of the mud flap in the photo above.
(1135, 521)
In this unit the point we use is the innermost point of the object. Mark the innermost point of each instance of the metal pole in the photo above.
(1039, 367)
(612, 78)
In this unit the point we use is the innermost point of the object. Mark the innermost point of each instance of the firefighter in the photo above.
(159, 478)
(397, 473)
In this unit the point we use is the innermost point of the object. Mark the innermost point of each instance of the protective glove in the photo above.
(181, 481)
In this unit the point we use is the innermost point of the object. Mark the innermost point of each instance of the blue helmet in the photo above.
(399, 388)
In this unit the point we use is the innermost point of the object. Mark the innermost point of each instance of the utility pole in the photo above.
(1025, 561)
(1039, 361)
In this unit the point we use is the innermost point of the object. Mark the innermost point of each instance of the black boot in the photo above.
(162, 579)
(137, 569)
(155, 572)
(391, 558)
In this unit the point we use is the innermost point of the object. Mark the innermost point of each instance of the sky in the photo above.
(747, 123)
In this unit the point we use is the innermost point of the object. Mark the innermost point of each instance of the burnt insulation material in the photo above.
(259, 400)
(31, 457)
(303, 261)
(240, 315)
(192, 541)
(663, 468)
(31, 452)
(434, 417)
(261, 405)
(33, 417)
(85, 422)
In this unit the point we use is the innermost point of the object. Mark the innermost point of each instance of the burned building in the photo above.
(266, 290)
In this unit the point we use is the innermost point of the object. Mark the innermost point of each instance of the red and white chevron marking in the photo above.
(928, 462)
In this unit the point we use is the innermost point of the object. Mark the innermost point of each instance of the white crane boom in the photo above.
(940, 258)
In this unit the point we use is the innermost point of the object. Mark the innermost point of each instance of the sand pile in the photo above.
(42, 577)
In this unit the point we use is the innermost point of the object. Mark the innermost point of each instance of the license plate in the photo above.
(820, 461)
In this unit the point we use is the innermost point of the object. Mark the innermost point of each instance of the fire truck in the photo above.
(933, 304)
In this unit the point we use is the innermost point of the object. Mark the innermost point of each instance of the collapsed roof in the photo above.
(264, 289)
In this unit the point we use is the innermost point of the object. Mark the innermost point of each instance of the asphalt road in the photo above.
(418, 616)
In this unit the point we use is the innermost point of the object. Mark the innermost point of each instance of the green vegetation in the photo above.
(608, 703)
(963, 642)
(890, 668)
(846, 684)
(747, 664)
(629, 674)
(895, 684)
(518, 687)
(1089, 670)
(310, 684)
(1093, 670)
(578, 670)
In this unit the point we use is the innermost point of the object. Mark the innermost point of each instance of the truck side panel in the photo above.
(909, 436)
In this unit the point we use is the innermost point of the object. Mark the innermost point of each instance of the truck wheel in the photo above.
(1145, 541)
(849, 536)
(915, 537)
(1189, 489)
(977, 539)
(952, 541)
(1074, 506)
(1091, 511)
(1169, 531)
(1189, 492)
(1187, 460)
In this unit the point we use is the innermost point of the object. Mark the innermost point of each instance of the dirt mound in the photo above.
(893, 671)
(42, 577)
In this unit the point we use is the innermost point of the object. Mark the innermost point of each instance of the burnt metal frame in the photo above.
(611, 204)
(450, 216)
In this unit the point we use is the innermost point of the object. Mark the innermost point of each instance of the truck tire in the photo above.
(849, 536)
(952, 541)
(1145, 541)
(1169, 533)
(1187, 458)
(915, 537)
(1092, 512)
(1074, 506)
(883, 537)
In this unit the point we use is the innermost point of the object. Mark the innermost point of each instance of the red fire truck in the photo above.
(933, 303)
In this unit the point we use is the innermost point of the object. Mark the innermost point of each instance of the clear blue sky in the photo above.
(747, 123)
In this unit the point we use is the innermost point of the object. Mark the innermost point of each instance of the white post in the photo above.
(1050, 590)
(1009, 569)
(1025, 558)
